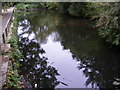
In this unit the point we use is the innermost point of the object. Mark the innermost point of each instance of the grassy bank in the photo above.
(13, 78)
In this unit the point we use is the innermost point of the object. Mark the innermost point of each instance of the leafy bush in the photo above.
(109, 24)
(13, 79)
(77, 9)
(25, 6)
(94, 9)
(20, 6)
(48, 5)
(51, 5)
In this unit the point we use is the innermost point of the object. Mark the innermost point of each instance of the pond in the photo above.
(64, 52)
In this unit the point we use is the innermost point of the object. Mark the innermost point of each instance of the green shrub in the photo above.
(25, 6)
(13, 78)
(109, 24)
(77, 9)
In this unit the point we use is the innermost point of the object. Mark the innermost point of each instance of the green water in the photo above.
(64, 52)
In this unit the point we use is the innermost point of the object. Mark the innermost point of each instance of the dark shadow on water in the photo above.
(99, 61)
(34, 67)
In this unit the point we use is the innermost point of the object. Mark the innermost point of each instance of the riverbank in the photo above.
(4, 45)
(10, 77)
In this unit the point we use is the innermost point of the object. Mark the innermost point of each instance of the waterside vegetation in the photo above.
(13, 78)
(106, 15)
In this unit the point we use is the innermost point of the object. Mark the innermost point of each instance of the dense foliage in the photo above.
(6, 5)
(13, 78)
(109, 24)
(74, 9)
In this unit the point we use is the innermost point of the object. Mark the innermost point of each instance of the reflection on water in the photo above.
(64, 52)
(35, 68)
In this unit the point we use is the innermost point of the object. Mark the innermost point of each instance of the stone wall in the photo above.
(5, 24)
(0, 44)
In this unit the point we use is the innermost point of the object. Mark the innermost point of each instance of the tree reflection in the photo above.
(100, 73)
(34, 28)
(100, 64)
(41, 23)
(34, 66)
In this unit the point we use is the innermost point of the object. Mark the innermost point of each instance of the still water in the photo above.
(64, 52)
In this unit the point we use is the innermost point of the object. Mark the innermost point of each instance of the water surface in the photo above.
(64, 52)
